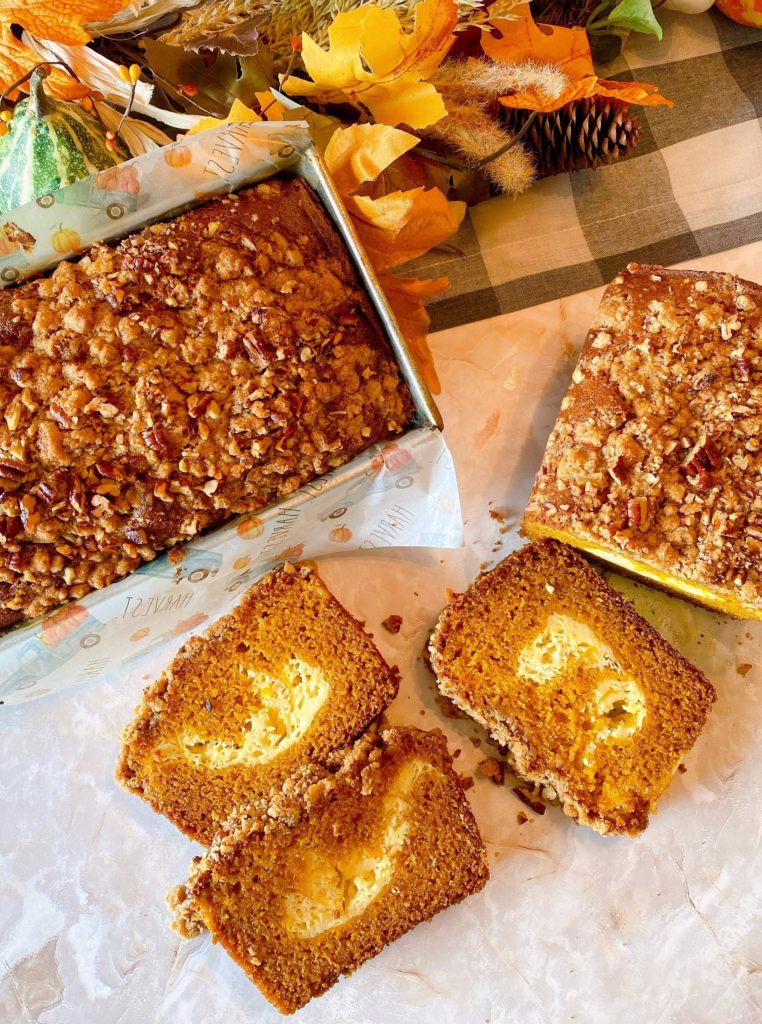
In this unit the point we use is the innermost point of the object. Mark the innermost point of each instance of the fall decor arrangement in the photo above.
(417, 105)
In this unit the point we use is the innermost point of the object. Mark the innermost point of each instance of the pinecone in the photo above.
(583, 133)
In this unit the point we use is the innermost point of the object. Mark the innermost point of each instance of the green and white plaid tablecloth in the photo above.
(692, 186)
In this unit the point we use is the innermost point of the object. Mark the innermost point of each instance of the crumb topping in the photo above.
(656, 451)
(202, 367)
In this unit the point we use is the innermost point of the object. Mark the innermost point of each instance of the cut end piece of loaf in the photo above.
(287, 677)
(654, 462)
(589, 699)
(341, 861)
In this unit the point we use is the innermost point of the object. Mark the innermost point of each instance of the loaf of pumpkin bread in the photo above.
(200, 368)
(341, 860)
(284, 679)
(655, 464)
(592, 704)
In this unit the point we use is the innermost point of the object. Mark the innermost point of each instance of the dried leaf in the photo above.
(322, 127)
(16, 60)
(137, 17)
(628, 92)
(60, 21)
(395, 227)
(412, 171)
(361, 152)
(406, 296)
(217, 82)
(269, 105)
(238, 112)
(376, 66)
(523, 40)
(255, 75)
(402, 225)
(373, 160)
(239, 40)
(213, 82)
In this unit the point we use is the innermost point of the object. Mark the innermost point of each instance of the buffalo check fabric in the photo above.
(691, 187)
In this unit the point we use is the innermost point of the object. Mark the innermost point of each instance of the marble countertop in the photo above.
(573, 926)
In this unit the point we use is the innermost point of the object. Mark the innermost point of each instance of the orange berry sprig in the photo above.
(130, 76)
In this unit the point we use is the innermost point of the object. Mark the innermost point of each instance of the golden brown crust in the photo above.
(656, 452)
(200, 368)
(475, 650)
(215, 684)
(239, 888)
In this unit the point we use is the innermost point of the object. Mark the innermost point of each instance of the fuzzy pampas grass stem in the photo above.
(484, 81)
(474, 135)
(469, 89)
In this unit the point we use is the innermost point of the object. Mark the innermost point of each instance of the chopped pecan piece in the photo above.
(528, 796)
(618, 470)
(46, 492)
(156, 440)
(76, 495)
(109, 470)
(743, 369)
(197, 403)
(257, 349)
(704, 458)
(640, 512)
(712, 453)
(10, 527)
(62, 418)
(13, 469)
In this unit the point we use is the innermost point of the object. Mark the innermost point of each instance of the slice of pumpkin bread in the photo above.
(341, 861)
(589, 699)
(287, 677)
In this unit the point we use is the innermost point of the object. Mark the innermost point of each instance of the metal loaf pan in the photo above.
(51, 653)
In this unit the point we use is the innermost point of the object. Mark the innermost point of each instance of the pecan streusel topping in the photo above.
(656, 451)
(203, 367)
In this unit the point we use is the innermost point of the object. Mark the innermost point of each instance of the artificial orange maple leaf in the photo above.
(406, 296)
(60, 21)
(16, 60)
(396, 227)
(590, 85)
(403, 225)
(399, 226)
(521, 40)
(360, 153)
(379, 68)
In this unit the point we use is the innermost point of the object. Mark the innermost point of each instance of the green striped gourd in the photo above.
(49, 144)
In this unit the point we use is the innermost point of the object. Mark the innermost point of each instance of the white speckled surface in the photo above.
(572, 926)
